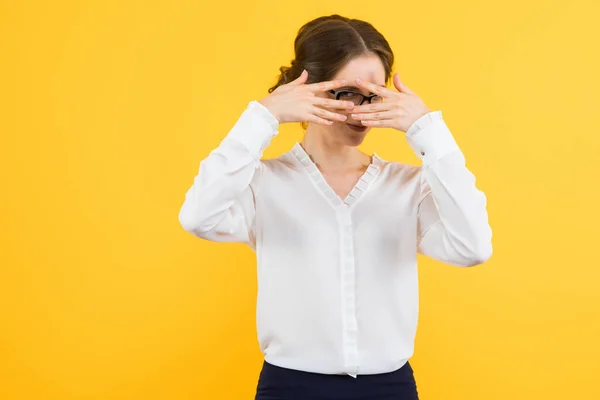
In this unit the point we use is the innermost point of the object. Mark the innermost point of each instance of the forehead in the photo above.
(367, 67)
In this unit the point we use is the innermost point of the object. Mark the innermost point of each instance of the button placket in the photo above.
(348, 289)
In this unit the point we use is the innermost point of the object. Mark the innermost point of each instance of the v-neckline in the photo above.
(319, 180)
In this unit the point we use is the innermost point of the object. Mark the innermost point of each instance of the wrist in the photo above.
(267, 104)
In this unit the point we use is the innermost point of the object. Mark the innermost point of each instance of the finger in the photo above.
(374, 116)
(318, 120)
(400, 85)
(301, 79)
(326, 85)
(334, 104)
(326, 114)
(380, 123)
(378, 90)
(373, 107)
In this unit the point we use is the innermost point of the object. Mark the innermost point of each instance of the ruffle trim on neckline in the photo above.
(318, 179)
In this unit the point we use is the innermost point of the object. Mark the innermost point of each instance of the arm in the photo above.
(220, 204)
(452, 218)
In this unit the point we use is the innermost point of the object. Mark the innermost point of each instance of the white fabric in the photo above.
(337, 279)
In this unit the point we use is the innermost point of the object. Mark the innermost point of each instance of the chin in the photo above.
(351, 137)
(354, 139)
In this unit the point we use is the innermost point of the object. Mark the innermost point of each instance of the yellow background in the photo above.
(107, 108)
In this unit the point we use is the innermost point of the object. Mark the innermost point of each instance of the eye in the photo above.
(347, 94)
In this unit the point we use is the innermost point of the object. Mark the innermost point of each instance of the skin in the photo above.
(329, 141)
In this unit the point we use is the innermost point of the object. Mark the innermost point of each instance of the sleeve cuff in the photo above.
(264, 112)
(255, 128)
(430, 138)
(423, 122)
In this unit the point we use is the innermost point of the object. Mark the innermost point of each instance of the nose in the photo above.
(352, 121)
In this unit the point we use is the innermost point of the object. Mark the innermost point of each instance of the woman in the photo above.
(337, 231)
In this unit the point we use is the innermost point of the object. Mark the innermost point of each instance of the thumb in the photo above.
(401, 86)
(301, 79)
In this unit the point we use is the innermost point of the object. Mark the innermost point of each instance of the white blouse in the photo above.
(337, 278)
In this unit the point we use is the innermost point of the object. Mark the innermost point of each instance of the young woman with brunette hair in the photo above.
(337, 231)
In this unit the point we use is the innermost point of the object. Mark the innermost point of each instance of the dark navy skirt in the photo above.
(277, 383)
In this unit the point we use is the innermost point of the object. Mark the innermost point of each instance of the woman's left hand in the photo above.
(399, 109)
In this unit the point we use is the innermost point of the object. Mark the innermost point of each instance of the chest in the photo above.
(305, 208)
(342, 183)
(305, 214)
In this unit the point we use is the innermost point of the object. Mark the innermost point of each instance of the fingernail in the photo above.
(354, 115)
(358, 80)
(343, 118)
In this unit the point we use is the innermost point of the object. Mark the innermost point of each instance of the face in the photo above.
(368, 68)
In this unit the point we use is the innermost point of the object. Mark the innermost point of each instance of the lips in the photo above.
(357, 128)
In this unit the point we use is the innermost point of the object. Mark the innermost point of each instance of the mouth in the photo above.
(357, 128)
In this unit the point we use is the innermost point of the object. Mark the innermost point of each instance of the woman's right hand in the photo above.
(296, 102)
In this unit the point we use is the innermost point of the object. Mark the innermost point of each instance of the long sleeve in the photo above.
(452, 218)
(220, 204)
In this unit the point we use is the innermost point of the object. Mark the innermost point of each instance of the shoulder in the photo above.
(402, 178)
(398, 171)
(285, 166)
(277, 171)
(279, 164)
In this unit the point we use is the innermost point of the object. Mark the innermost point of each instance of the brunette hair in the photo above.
(324, 45)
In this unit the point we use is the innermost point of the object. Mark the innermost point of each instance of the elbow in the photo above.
(187, 222)
(480, 255)
(193, 222)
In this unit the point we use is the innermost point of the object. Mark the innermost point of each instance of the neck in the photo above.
(330, 155)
